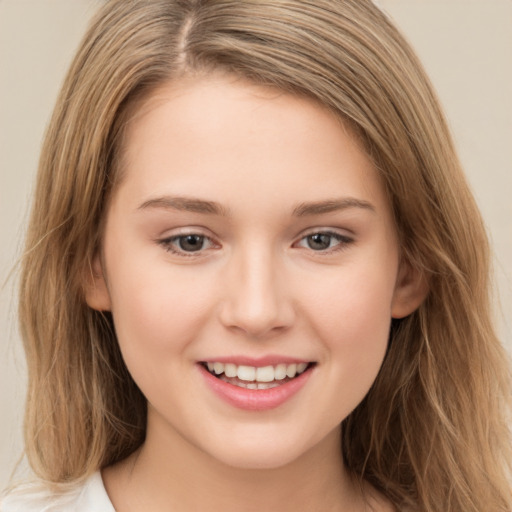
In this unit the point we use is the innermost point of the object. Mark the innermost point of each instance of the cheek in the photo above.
(353, 319)
(157, 312)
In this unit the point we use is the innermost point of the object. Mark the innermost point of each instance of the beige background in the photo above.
(466, 46)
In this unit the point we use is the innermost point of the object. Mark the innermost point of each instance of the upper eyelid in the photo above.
(333, 234)
(343, 241)
(171, 238)
(186, 231)
(168, 244)
(204, 232)
(327, 231)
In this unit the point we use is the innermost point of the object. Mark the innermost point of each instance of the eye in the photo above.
(187, 244)
(324, 241)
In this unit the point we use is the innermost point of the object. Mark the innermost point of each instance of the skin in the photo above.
(256, 287)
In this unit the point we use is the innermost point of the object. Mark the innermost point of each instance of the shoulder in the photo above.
(90, 496)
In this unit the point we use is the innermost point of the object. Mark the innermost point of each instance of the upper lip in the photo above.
(257, 362)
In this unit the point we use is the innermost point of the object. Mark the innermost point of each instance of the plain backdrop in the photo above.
(465, 45)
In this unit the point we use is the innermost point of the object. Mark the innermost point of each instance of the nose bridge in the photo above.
(256, 300)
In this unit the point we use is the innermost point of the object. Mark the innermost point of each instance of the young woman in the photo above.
(255, 278)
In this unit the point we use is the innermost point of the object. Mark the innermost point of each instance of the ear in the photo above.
(96, 291)
(411, 288)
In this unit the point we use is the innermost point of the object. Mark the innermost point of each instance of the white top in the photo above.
(91, 496)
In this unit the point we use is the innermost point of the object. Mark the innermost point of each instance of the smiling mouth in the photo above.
(252, 377)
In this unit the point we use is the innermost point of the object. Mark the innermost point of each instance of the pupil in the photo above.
(319, 241)
(191, 243)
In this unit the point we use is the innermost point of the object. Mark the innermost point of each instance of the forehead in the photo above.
(208, 131)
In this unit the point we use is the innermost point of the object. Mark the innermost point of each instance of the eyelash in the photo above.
(170, 244)
(343, 241)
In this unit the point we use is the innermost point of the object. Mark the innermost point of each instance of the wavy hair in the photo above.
(432, 434)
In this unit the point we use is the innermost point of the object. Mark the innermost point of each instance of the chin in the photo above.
(269, 453)
(257, 459)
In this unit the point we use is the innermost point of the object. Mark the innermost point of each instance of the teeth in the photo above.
(291, 370)
(230, 370)
(246, 373)
(280, 372)
(301, 367)
(266, 385)
(265, 374)
(261, 375)
(250, 385)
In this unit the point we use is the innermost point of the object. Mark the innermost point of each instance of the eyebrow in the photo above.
(196, 205)
(187, 204)
(331, 205)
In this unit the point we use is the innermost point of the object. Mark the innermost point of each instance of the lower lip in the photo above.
(255, 399)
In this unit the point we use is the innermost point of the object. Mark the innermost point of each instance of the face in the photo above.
(251, 265)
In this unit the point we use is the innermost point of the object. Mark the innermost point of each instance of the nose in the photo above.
(256, 296)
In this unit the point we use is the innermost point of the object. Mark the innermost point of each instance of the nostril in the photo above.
(256, 302)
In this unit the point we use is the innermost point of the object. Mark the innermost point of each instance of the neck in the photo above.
(167, 473)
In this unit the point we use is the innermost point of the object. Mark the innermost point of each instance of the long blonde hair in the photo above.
(432, 433)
